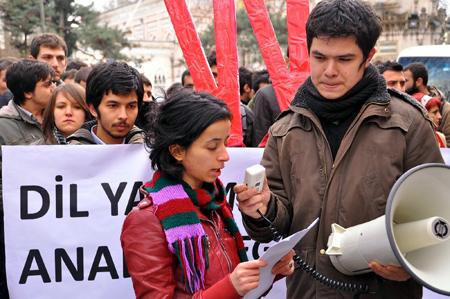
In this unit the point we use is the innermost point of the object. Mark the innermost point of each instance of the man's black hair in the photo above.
(259, 77)
(212, 60)
(75, 65)
(69, 74)
(184, 74)
(23, 75)
(116, 77)
(6, 62)
(389, 66)
(82, 74)
(245, 77)
(51, 40)
(418, 70)
(145, 80)
(345, 18)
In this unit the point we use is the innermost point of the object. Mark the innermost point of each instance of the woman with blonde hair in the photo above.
(65, 113)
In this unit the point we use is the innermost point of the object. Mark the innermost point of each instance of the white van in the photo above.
(437, 60)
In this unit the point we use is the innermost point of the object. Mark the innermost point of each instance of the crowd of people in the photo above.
(351, 130)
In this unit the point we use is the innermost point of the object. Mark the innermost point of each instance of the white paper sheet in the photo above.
(272, 256)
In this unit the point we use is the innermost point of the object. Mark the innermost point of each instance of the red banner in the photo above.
(227, 88)
(285, 81)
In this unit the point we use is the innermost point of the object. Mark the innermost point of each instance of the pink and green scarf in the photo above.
(175, 206)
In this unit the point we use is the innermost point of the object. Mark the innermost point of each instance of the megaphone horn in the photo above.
(413, 234)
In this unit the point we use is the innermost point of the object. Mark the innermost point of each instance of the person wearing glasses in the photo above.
(31, 83)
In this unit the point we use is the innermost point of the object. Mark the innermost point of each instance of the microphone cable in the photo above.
(343, 286)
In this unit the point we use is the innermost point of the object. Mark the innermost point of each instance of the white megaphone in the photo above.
(413, 234)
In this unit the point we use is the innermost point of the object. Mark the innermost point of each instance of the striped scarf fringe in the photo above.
(175, 208)
(194, 261)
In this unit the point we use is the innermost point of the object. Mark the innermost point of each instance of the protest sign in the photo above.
(64, 209)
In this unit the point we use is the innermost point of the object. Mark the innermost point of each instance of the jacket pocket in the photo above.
(289, 122)
(374, 193)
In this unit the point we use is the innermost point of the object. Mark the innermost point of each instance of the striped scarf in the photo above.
(175, 206)
(59, 138)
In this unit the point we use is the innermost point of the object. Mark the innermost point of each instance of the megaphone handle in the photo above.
(343, 286)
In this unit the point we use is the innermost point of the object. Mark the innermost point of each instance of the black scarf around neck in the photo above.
(337, 115)
(341, 108)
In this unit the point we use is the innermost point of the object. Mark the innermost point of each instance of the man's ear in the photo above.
(419, 82)
(28, 95)
(93, 111)
(247, 88)
(369, 57)
(31, 57)
(177, 152)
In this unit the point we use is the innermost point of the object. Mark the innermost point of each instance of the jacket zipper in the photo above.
(324, 160)
(350, 127)
(219, 240)
(359, 116)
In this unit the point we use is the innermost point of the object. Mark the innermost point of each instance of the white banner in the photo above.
(64, 209)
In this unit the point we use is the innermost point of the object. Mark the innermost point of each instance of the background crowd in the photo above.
(46, 100)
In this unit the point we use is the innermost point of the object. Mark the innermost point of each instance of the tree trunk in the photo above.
(61, 23)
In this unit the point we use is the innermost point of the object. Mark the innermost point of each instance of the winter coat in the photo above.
(43, 141)
(247, 119)
(266, 111)
(84, 136)
(384, 141)
(444, 126)
(16, 128)
(155, 270)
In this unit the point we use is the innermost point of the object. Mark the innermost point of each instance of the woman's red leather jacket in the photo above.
(155, 270)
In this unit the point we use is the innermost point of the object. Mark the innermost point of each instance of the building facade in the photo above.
(157, 53)
(409, 23)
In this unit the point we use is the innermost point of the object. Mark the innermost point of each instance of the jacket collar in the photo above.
(84, 133)
(12, 110)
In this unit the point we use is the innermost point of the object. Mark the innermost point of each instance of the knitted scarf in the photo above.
(337, 115)
(339, 109)
(175, 206)
(59, 138)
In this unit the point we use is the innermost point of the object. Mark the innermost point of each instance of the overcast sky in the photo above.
(98, 4)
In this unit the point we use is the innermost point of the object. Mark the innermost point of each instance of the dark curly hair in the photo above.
(345, 18)
(116, 77)
(181, 119)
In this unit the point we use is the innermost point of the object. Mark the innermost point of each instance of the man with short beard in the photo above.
(416, 75)
(114, 93)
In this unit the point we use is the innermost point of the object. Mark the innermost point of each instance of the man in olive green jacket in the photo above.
(31, 83)
(338, 150)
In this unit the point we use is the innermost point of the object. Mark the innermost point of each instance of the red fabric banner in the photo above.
(227, 88)
(285, 81)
